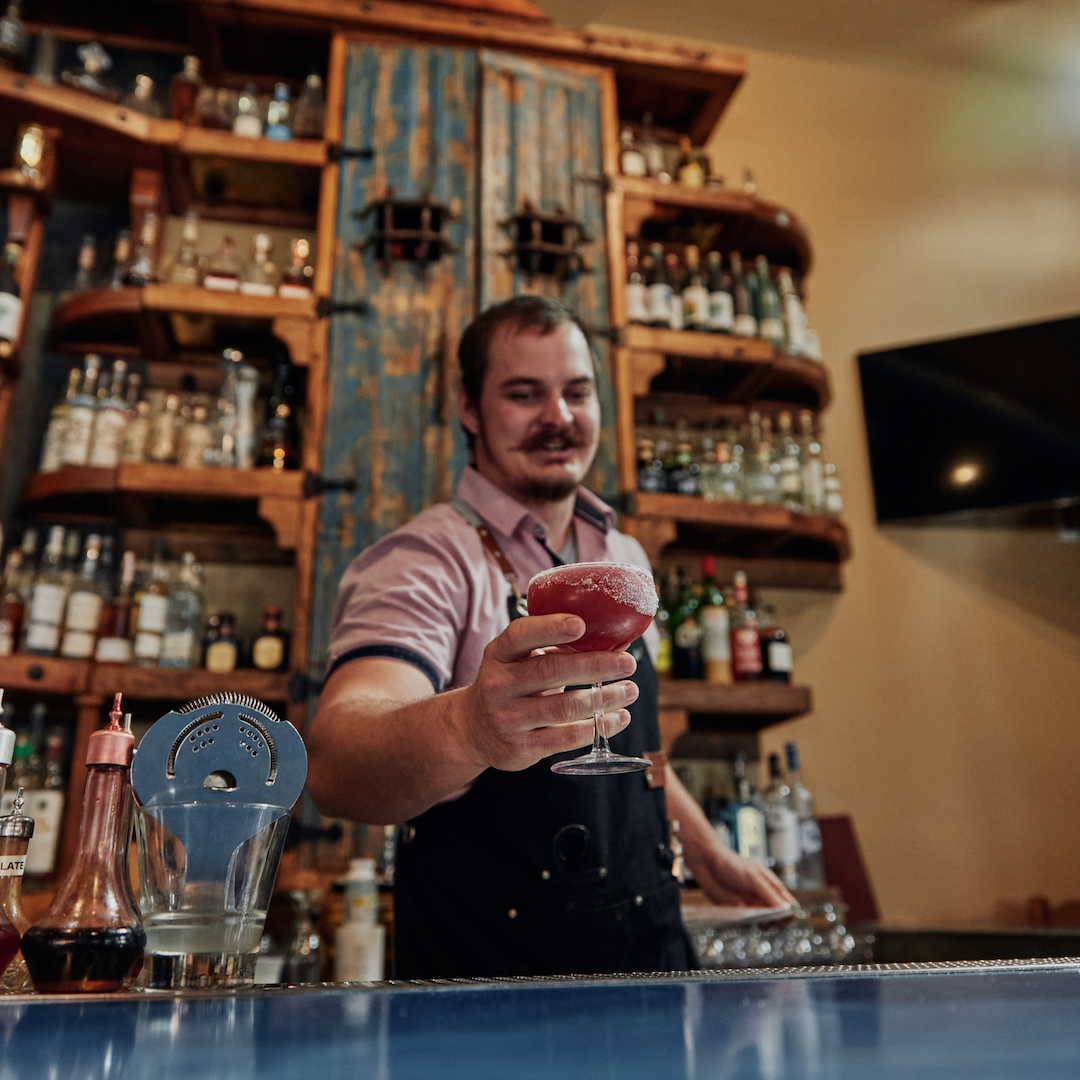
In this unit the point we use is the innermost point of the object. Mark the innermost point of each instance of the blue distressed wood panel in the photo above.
(392, 418)
(541, 143)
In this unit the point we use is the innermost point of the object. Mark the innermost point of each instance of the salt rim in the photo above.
(635, 590)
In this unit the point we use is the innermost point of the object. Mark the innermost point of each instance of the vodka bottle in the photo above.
(41, 636)
(811, 862)
(183, 617)
(52, 448)
(782, 827)
(83, 606)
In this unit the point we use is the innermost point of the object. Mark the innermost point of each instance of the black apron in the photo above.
(531, 873)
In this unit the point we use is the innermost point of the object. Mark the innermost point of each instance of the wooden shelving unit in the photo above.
(762, 703)
(178, 686)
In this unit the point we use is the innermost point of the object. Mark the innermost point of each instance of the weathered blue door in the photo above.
(437, 119)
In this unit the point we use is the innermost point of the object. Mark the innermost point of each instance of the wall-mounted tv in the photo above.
(964, 428)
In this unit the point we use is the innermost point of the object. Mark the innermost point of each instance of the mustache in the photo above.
(540, 439)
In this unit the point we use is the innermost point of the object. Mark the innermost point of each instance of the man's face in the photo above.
(537, 425)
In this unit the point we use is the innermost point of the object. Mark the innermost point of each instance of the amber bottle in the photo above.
(16, 829)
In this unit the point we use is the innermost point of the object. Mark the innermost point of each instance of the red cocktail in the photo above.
(617, 602)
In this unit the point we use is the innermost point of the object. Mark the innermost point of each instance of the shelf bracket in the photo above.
(335, 152)
(283, 516)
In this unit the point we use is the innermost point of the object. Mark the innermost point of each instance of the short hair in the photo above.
(524, 314)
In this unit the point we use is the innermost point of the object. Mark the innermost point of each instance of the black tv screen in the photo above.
(977, 423)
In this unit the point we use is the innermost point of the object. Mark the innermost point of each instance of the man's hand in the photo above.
(513, 719)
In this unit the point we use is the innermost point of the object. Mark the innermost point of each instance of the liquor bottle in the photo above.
(7, 745)
(184, 91)
(270, 647)
(715, 627)
(776, 655)
(686, 662)
(637, 302)
(709, 474)
(631, 160)
(27, 765)
(91, 939)
(195, 439)
(782, 827)
(259, 276)
(165, 431)
(746, 663)
(24, 584)
(222, 654)
(52, 447)
(110, 420)
(760, 478)
(83, 606)
(183, 618)
(152, 607)
(812, 466)
(689, 172)
(310, 107)
(246, 387)
(745, 821)
(248, 121)
(185, 270)
(279, 115)
(788, 458)
(279, 448)
(143, 270)
(16, 830)
(133, 446)
(659, 289)
(834, 500)
(729, 460)
(745, 324)
(695, 296)
(686, 477)
(140, 98)
(10, 304)
(673, 273)
(794, 316)
(84, 267)
(223, 273)
(296, 282)
(121, 259)
(115, 629)
(41, 637)
(70, 561)
(653, 151)
(14, 40)
(771, 325)
(721, 301)
(663, 628)
(217, 110)
(55, 752)
(811, 862)
(12, 606)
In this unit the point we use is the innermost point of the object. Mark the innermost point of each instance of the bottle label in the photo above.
(663, 655)
(256, 288)
(83, 611)
(221, 282)
(696, 307)
(813, 486)
(108, 433)
(810, 837)
(10, 311)
(133, 444)
(637, 302)
(687, 634)
(147, 645)
(783, 828)
(780, 656)
(790, 478)
(715, 641)
(47, 605)
(177, 646)
(77, 644)
(772, 330)
(152, 610)
(745, 326)
(746, 651)
(796, 326)
(633, 163)
(721, 311)
(750, 834)
(12, 865)
(46, 808)
(834, 501)
(53, 450)
(293, 292)
(79, 430)
(221, 657)
(677, 322)
(267, 653)
(660, 302)
(113, 650)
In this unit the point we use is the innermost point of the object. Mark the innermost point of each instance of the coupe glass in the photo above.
(617, 602)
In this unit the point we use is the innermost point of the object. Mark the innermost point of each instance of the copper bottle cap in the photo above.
(112, 745)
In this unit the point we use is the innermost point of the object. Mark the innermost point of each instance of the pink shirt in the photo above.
(431, 595)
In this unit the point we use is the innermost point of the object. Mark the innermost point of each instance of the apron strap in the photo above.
(516, 603)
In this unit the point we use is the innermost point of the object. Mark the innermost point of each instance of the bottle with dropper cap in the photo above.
(91, 939)
(16, 829)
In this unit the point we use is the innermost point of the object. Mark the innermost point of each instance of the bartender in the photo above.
(444, 708)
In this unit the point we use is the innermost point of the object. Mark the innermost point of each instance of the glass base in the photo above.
(197, 971)
(600, 763)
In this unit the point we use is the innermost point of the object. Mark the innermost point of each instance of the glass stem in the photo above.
(599, 740)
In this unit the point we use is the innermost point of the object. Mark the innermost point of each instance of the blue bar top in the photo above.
(957, 1021)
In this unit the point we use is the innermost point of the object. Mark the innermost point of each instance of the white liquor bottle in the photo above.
(790, 466)
(110, 421)
(259, 277)
(84, 606)
(183, 617)
(153, 604)
(185, 270)
(79, 430)
(811, 860)
(782, 827)
(52, 448)
(41, 635)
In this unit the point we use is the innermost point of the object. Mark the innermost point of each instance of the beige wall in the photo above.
(947, 674)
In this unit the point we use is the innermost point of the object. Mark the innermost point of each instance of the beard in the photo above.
(537, 489)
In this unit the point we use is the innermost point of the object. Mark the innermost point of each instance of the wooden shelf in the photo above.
(135, 321)
(748, 224)
(774, 701)
(740, 529)
(45, 675)
(720, 365)
(155, 495)
(179, 685)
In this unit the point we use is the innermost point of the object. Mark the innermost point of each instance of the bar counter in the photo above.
(984, 1019)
